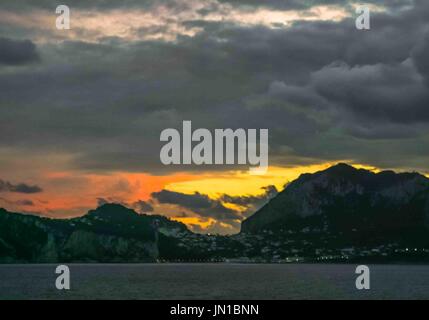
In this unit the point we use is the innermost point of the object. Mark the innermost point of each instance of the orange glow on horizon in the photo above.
(70, 194)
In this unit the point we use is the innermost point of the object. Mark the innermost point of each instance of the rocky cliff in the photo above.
(350, 202)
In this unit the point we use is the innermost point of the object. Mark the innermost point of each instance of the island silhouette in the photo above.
(341, 214)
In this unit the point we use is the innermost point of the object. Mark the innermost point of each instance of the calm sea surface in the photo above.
(214, 281)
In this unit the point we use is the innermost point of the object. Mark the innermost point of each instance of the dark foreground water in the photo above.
(214, 281)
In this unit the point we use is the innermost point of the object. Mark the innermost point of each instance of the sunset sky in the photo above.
(81, 110)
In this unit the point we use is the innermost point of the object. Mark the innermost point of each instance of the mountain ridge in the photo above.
(110, 233)
(344, 191)
(341, 214)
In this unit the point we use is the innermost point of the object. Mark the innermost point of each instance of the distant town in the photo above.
(286, 247)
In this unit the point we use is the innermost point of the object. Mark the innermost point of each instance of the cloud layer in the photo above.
(6, 186)
(313, 84)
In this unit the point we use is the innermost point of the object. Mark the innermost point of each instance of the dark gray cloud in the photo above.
(247, 201)
(81, 4)
(420, 57)
(251, 203)
(198, 203)
(23, 202)
(206, 207)
(306, 4)
(194, 201)
(179, 5)
(325, 90)
(142, 206)
(6, 186)
(379, 91)
(17, 52)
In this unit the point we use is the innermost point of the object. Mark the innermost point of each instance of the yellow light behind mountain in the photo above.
(243, 183)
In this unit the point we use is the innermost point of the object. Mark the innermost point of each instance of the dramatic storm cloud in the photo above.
(16, 52)
(6, 186)
(83, 105)
(199, 203)
(251, 203)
